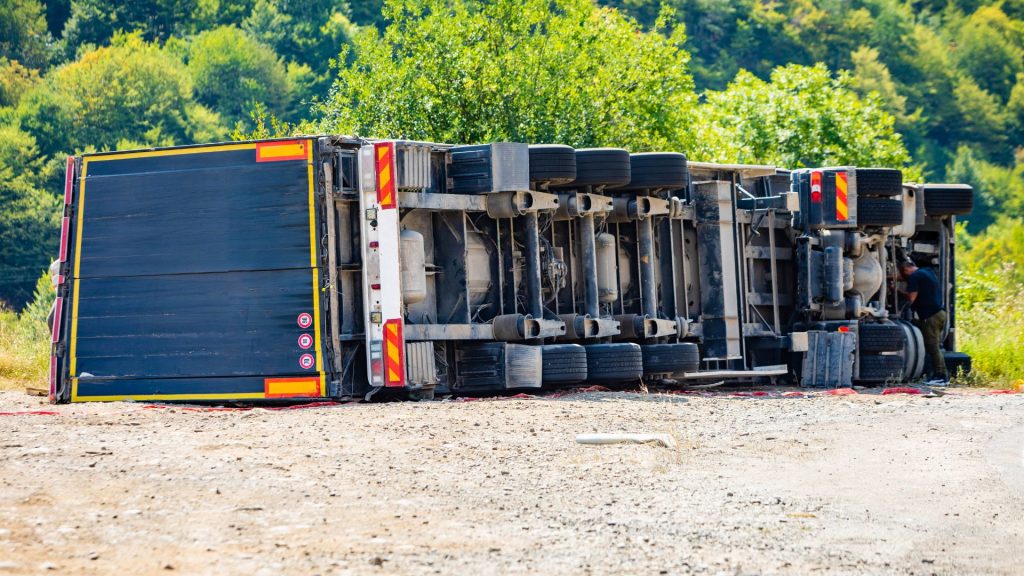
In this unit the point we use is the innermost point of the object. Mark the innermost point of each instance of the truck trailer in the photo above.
(339, 267)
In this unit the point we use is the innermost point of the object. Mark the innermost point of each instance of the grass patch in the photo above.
(24, 351)
(25, 342)
(990, 326)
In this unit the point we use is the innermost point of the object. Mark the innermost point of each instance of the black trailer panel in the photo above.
(196, 275)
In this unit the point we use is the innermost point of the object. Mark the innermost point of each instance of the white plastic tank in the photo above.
(414, 268)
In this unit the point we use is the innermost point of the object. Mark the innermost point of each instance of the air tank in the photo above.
(414, 268)
(607, 287)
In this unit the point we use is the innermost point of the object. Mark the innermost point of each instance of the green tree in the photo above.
(307, 31)
(29, 218)
(989, 49)
(23, 33)
(129, 91)
(95, 22)
(871, 75)
(368, 13)
(982, 118)
(15, 80)
(232, 72)
(529, 71)
(803, 117)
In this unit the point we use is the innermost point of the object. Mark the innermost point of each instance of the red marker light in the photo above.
(844, 329)
(816, 187)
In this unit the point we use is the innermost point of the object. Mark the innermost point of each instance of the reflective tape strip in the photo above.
(280, 151)
(69, 177)
(57, 311)
(53, 379)
(384, 152)
(64, 225)
(291, 387)
(842, 212)
(394, 354)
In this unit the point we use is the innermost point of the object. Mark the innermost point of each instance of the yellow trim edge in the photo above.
(316, 270)
(171, 152)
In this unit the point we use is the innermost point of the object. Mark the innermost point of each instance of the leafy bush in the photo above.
(804, 117)
(25, 341)
(519, 70)
(131, 89)
(990, 289)
(233, 72)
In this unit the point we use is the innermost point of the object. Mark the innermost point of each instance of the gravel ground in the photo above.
(826, 484)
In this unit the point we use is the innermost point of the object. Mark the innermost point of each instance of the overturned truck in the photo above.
(335, 267)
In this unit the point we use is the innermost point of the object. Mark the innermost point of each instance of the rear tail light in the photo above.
(816, 186)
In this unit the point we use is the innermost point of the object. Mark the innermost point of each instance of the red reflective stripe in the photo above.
(841, 200)
(55, 333)
(384, 153)
(394, 354)
(53, 379)
(69, 177)
(64, 238)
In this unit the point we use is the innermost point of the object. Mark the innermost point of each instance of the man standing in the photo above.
(925, 298)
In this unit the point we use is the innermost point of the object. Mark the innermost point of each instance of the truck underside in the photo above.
(339, 267)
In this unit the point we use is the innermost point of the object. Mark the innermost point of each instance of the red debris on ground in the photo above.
(900, 390)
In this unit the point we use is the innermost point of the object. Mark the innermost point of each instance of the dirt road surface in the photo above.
(863, 484)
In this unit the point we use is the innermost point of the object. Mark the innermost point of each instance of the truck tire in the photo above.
(564, 364)
(657, 170)
(670, 359)
(948, 201)
(880, 338)
(614, 362)
(552, 164)
(879, 368)
(957, 362)
(879, 182)
(602, 167)
(879, 211)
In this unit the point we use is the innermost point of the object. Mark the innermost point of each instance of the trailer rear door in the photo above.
(196, 275)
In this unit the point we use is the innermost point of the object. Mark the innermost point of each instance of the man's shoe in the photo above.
(937, 383)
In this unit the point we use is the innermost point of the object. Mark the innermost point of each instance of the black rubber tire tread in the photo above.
(948, 201)
(880, 338)
(614, 362)
(955, 361)
(676, 358)
(602, 167)
(881, 368)
(564, 364)
(879, 182)
(552, 163)
(879, 211)
(657, 170)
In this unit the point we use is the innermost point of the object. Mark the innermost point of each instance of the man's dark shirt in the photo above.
(929, 300)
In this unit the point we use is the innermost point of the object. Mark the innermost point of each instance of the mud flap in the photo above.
(828, 362)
